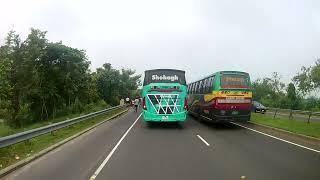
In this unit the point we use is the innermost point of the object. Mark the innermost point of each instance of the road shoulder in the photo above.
(43, 152)
(307, 141)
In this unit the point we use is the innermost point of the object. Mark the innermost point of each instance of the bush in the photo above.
(22, 118)
(95, 106)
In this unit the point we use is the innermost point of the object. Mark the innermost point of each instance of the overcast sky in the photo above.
(198, 36)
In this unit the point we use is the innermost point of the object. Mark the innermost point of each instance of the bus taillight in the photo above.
(144, 103)
(185, 104)
(215, 103)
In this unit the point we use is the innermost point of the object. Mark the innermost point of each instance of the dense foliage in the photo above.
(41, 79)
(274, 93)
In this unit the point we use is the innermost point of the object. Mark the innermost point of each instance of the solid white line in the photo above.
(314, 150)
(112, 151)
(204, 141)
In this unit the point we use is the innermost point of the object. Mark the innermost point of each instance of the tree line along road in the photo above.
(127, 148)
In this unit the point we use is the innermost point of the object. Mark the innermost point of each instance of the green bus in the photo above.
(222, 96)
(164, 96)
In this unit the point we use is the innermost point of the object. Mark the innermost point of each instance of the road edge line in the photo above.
(43, 152)
(105, 161)
(283, 140)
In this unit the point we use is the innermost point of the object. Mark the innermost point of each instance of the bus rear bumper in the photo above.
(231, 118)
(216, 117)
(177, 117)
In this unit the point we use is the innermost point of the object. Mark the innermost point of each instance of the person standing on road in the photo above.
(136, 104)
(127, 100)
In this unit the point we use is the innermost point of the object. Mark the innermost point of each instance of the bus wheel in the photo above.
(247, 118)
(200, 119)
(149, 124)
(180, 125)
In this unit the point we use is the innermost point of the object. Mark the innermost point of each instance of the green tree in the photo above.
(108, 83)
(40, 79)
(12, 52)
(309, 78)
(113, 84)
(315, 74)
(5, 67)
(291, 92)
(304, 81)
(262, 88)
(63, 78)
(128, 81)
(269, 90)
(294, 101)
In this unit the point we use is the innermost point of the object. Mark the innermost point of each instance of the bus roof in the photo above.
(164, 76)
(164, 70)
(222, 72)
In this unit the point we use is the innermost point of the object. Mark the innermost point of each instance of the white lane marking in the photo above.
(206, 118)
(112, 151)
(204, 141)
(314, 150)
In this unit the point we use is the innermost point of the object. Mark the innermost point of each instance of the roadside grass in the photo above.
(14, 153)
(292, 125)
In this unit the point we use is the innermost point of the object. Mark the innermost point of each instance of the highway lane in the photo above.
(171, 151)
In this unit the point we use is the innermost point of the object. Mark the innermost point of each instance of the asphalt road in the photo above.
(190, 151)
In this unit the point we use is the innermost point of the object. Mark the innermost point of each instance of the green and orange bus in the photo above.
(222, 96)
(164, 96)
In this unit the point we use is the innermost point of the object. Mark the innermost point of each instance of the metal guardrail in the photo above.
(304, 115)
(26, 135)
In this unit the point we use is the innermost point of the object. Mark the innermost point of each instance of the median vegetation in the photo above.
(14, 153)
(292, 125)
(299, 94)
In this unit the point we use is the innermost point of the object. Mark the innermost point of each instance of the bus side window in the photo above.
(193, 85)
(208, 85)
(200, 87)
(196, 89)
(204, 87)
(212, 82)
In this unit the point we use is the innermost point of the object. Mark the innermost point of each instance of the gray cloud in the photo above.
(200, 37)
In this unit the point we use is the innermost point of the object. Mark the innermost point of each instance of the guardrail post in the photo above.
(27, 142)
(309, 117)
(290, 115)
(53, 133)
(275, 113)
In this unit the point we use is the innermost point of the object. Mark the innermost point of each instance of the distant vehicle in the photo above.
(164, 96)
(258, 107)
(221, 97)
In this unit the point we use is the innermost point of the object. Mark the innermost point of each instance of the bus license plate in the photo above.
(165, 117)
(235, 112)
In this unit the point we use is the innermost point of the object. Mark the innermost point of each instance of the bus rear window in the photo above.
(164, 76)
(234, 81)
